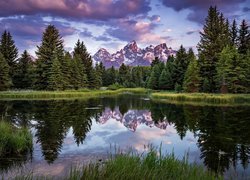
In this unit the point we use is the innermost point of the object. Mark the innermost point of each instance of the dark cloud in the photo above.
(246, 9)
(199, 8)
(130, 29)
(86, 33)
(78, 9)
(27, 30)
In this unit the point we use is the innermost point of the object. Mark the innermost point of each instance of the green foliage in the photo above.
(180, 65)
(178, 87)
(244, 38)
(80, 50)
(50, 49)
(214, 38)
(233, 70)
(24, 74)
(115, 86)
(9, 51)
(139, 166)
(192, 77)
(55, 81)
(5, 81)
(14, 140)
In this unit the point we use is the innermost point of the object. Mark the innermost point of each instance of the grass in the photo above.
(170, 97)
(202, 98)
(85, 93)
(131, 166)
(14, 140)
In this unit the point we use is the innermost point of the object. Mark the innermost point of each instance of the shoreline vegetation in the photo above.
(163, 96)
(152, 165)
(13, 140)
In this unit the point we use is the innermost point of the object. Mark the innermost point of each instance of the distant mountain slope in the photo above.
(132, 55)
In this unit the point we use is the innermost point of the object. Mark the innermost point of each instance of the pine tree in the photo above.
(165, 80)
(244, 38)
(81, 51)
(214, 38)
(123, 74)
(153, 81)
(80, 75)
(66, 70)
(23, 77)
(234, 34)
(233, 70)
(55, 81)
(192, 77)
(51, 43)
(180, 65)
(9, 51)
(5, 81)
(155, 61)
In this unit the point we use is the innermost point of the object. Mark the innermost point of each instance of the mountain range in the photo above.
(131, 119)
(132, 55)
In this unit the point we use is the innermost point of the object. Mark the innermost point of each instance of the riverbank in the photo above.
(153, 165)
(85, 93)
(163, 96)
(202, 98)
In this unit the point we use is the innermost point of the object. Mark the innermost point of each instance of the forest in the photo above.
(222, 64)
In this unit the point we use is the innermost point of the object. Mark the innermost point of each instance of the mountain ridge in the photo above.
(132, 55)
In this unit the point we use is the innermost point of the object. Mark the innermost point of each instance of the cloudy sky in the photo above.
(113, 23)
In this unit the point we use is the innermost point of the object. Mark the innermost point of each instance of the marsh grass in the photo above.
(134, 166)
(14, 140)
(204, 98)
(84, 93)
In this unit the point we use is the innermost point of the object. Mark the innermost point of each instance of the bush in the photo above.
(115, 86)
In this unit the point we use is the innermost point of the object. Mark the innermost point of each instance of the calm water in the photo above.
(73, 132)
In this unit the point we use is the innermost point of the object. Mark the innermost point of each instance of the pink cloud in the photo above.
(79, 9)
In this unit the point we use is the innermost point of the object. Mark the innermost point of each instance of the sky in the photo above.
(111, 24)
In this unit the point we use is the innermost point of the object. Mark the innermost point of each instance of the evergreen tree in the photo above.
(51, 43)
(153, 81)
(244, 38)
(9, 51)
(23, 77)
(233, 70)
(5, 81)
(155, 61)
(192, 77)
(55, 81)
(81, 51)
(66, 71)
(123, 74)
(234, 34)
(213, 39)
(164, 80)
(180, 65)
(79, 73)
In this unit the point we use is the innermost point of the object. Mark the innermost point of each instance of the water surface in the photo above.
(72, 132)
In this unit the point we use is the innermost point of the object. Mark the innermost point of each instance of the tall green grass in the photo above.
(241, 99)
(14, 140)
(85, 93)
(131, 166)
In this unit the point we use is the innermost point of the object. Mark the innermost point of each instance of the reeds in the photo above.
(85, 93)
(241, 99)
(131, 166)
(14, 140)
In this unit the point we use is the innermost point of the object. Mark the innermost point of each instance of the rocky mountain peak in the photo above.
(132, 55)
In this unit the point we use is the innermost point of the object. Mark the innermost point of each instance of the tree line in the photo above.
(222, 64)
